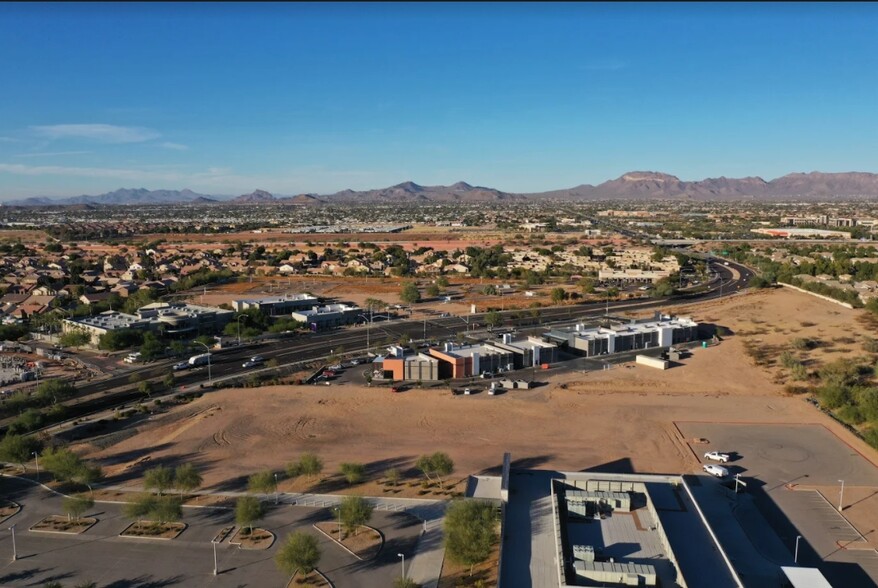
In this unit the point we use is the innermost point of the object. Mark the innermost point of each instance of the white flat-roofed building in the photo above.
(331, 315)
(661, 331)
(277, 305)
(103, 323)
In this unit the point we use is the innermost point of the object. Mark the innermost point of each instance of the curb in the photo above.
(32, 530)
(122, 534)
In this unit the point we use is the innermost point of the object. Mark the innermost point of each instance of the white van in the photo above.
(132, 357)
(715, 470)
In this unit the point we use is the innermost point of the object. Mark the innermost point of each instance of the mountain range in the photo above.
(629, 186)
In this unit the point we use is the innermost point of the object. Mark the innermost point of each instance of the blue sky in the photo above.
(225, 98)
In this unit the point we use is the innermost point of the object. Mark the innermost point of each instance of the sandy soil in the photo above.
(623, 417)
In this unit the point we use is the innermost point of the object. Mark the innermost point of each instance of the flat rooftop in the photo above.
(109, 320)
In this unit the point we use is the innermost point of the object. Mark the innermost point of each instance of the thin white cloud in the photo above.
(174, 146)
(51, 153)
(85, 172)
(97, 132)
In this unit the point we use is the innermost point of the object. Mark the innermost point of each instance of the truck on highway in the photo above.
(202, 359)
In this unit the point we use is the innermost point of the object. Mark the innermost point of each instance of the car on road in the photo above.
(335, 367)
(183, 365)
(717, 456)
(257, 358)
(715, 470)
(253, 362)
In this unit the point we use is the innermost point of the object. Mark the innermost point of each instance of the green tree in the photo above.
(392, 476)
(470, 531)
(410, 293)
(187, 478)
(293, 470)
(299, 552)
(74, 338)
(169, 381)
(248, 511)
(310, 465)
(159, 478)
(152, 347)
(433, 290)
(353, 512)
(158, 509)
(663, 288)
(493, 318)
(558, 295)
(586, 285)
(18, 449)
(443, 465)
(261, 482)
(76, 506)
(872, 306)
(353, 472)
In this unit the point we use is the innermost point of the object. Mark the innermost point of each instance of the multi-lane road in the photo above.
(729, 278)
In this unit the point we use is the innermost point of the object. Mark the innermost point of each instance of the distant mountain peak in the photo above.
(408, 186)
(461, 186)
(641, 176)
(255, 196)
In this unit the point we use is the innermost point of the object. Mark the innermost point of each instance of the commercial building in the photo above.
(176, 320)
(467, 361)
(103, 323)
(277, 305)
(660, 331)
(561, 529)
(794, 233)
(331, 315)
(418, 367)
(529, 352)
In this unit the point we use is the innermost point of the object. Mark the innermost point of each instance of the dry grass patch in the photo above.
(256, 539)
(63, 524)
(455, 575)
(8, 508)
(152, 530)
(366, 543)
(313, 580)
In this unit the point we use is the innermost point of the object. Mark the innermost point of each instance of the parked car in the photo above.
(715, 470)
(717, 456)
(183, 365)
(335, 367)
(467, 391)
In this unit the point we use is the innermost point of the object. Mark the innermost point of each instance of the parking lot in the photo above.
(100, 555)
(773, 459)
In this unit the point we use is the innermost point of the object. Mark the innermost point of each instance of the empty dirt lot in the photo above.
(623, 417)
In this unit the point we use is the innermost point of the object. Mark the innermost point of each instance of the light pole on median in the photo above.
(209, 378)
(37, 460)
(796, 556)
(841, 497)
(240, 316)
(338, 509)
(215, 567)
(14, 552)
(402, 555)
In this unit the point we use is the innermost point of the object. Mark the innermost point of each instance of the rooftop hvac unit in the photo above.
(507, 338)
(448, 347)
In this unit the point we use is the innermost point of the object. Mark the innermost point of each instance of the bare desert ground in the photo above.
(621, 418)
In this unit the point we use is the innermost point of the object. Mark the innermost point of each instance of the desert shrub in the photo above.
(799, 372)
(833, 395)
(803, 343)
(870, 345)
(850, 414)
(871, 435)
(788, 360)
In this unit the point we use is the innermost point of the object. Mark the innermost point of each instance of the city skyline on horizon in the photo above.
(306, 98)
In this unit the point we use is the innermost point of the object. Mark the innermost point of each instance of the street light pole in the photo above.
(796, 556)
(841, 497)
(275, 489)
(14, 552)
(37, 460)
(215, 567)
(402, 555)
(240, 316)
(338, 508)
(209, 378)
